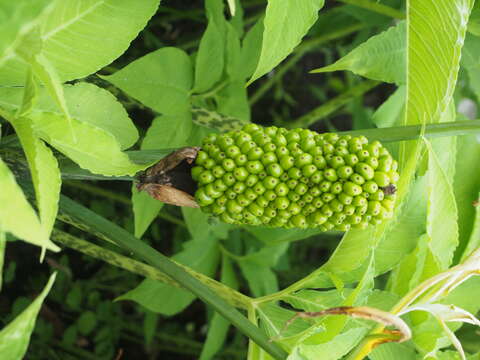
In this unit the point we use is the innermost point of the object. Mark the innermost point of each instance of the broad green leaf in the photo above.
(232, 101)
(210, 59)
(382, 57)
(286, 23)
(80, 38)
(93, 149)
(145, 210)
(313, 300)
(14, 337)
(435, 40)
(17, 18)
(389, 113)
(393, 351)
(251, 49)
(260, 278)
(201, 256)
(160, 80)
(218, 327)
(442, 227)
(44, 170)
(466, 188)
(168, 132)
(331, 350)
(86, 102)
(16, 212)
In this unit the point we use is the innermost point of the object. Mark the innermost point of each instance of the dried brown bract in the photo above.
(169, 180)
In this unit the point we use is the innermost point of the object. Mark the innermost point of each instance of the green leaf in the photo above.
(261, 279)
(44, 170)
(78, 40)
(210, 59)
(93, 149)
(257, 267)
(14, 337)
(17, 18)
(201, 256)
(331, 350)
(382, 57)
(160, 80)
(145, 210)
(87, 322)
(286, 23)
(16, 212)
(218, 327)
(393, 351)
(435, 40)
(251, 49)
(86, 102)
(390, 112)
(169, 132)
(442, 227)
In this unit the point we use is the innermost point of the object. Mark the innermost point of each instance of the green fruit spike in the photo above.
(295, 179)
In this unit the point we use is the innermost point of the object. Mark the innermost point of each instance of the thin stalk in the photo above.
(377, 7)
(171, 269)
(332, 105)
(305, 47)
(413, 132)
(142, 269)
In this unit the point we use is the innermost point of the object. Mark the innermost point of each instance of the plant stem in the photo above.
(332, 105)
(412, 132)
(305, 47)
(172, 270)
(137, 267)
(377, 7)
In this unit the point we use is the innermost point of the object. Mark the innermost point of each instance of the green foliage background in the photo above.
(94, 91)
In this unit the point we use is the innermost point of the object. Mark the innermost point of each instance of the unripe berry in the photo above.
(295, 178)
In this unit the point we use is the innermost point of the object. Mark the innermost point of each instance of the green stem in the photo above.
(127, 241)
(305, 47)
(332, 105)
(230, 295)
(412, 132)
(377, 7)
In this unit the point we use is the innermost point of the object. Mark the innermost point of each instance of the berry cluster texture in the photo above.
(295, 178)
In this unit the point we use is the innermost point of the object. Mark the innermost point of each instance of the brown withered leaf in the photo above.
(170, 179)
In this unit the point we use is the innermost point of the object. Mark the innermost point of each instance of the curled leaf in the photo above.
(169, 180)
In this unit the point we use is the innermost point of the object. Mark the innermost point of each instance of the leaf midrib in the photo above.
(72, 21)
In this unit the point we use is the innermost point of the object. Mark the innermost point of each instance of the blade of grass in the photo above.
(171, 269)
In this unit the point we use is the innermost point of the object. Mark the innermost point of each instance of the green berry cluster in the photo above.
(295, 178)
